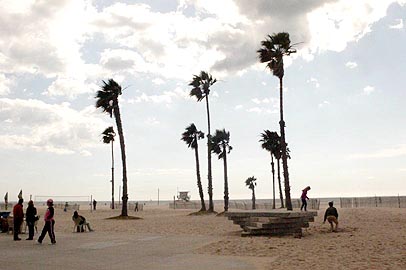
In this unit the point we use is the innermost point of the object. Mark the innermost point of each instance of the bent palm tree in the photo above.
(201, 89)
(220, 145)
(107, 99)
(270, 143)
(108, 137)
(191, 137)
(273, 49)
(250, 183)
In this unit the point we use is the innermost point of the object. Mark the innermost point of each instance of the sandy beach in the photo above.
(368, 238)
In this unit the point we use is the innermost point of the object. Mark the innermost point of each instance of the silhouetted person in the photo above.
(94, 204)
(18, 218)
(331, 216)
(304, 198)
(136, 207)
(30, 219)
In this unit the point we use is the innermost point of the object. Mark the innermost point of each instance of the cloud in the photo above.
(238, 107)
(166, 97)
(398, 25)
(55, 128)
(5, 84)
(351, 65)
(390, 152)
(368, 89)
(324, 104)
(314, 81)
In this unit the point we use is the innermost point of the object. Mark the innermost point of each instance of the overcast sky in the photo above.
(344, 95)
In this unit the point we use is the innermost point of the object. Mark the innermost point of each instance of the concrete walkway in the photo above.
(98, 251)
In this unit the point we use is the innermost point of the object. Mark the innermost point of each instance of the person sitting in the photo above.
(331, 216)
(80, 221)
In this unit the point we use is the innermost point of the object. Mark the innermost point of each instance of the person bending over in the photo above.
(80, 221)
(331, 216)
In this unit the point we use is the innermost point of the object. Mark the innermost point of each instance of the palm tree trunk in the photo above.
(209, 173)
(199, 182)
(253, 198)
(117, 116)
(273, 182)
(112, 175)
(280, 183)
(225, 180)
(283, 147)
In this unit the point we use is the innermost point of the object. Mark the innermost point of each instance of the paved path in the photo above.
(98, 251)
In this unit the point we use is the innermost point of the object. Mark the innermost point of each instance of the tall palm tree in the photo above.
(272, 51)
(108, 137)
(201, 89)
(269, 140)
(191, 137)
(220, 145)
(250, 182)
(107, 99)
(278, 155)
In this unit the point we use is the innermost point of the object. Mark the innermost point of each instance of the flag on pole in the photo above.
(6, 198)
(20, 195)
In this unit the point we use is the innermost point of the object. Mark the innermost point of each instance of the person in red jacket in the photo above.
(18, 218)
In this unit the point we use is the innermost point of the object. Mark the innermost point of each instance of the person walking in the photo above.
(304, 198)
(18, 218)
(49, 223)
(30, 219)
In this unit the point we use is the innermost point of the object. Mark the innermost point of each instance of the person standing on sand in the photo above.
(49, 223)
(94, 204)
(304, 198)
(18, 218)
(30, 218)
(331, 216)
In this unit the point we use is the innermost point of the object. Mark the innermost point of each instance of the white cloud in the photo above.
(390, 152)
(158, 81)
(238, 107)
(166, 97)
(351, 65)
(152, 121)
(398, 25)
(5, 84)
(56, 128)
(368, 89)
(314, 81)
(324, 104)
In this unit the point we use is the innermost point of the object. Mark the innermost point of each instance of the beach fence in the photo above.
(186, 205)
(376, 201)
(130, 206)
(313, 204)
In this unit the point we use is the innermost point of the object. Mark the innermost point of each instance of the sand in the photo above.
(368, 238)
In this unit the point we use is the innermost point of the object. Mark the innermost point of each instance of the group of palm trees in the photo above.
(272, 51)
(218, 144)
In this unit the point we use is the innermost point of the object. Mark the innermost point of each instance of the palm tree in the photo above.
(272, 51)
(220, 145)
(250, 182)
(107, 99)
(278, 154)
(108, 137)
(201, 89)
(270, 143)
(191, 137)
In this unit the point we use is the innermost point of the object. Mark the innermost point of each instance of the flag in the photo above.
(20, 195)
(6, 198)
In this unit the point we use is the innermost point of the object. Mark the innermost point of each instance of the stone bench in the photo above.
(271, 223)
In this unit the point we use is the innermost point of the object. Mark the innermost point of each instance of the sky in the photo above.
(344, 95)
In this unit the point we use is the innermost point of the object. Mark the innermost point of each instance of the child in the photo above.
(304, 198)
(332, 216)
(49, 223)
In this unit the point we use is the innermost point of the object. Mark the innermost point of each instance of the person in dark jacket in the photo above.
(30, 219)
(18, 218)
(331, 216)
(49, 223)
